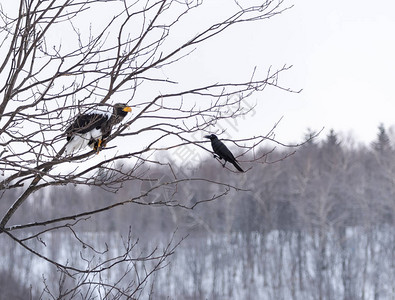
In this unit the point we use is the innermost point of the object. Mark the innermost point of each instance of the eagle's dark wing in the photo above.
(93, 127)
(88, 130)
(85, 123)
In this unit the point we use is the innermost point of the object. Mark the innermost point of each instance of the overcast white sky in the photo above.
(343, 57)
(345, 53)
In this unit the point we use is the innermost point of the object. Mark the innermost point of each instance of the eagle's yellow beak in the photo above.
(127, 109)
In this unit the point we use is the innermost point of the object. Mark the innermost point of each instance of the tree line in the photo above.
(327, 199)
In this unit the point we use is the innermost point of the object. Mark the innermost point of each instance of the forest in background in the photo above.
(315, 225)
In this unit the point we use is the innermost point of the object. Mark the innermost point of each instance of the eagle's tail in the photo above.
(77, 142)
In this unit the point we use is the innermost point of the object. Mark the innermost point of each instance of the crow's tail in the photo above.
(237, 166)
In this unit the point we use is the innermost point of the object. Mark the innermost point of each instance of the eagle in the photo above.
(93, 127)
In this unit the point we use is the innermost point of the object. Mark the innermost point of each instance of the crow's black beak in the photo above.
(207, 136)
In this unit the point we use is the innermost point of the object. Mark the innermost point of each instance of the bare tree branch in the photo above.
(55, 67)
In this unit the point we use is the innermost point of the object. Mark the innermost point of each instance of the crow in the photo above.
(222, 151)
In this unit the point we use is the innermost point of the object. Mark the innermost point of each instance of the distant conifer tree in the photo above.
(383, 143)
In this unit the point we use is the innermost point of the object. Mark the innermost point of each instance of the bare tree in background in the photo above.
(60, 58)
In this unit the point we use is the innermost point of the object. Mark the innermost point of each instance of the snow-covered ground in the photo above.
(353, 263)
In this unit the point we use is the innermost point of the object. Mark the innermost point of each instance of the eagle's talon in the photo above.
(99, 145)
